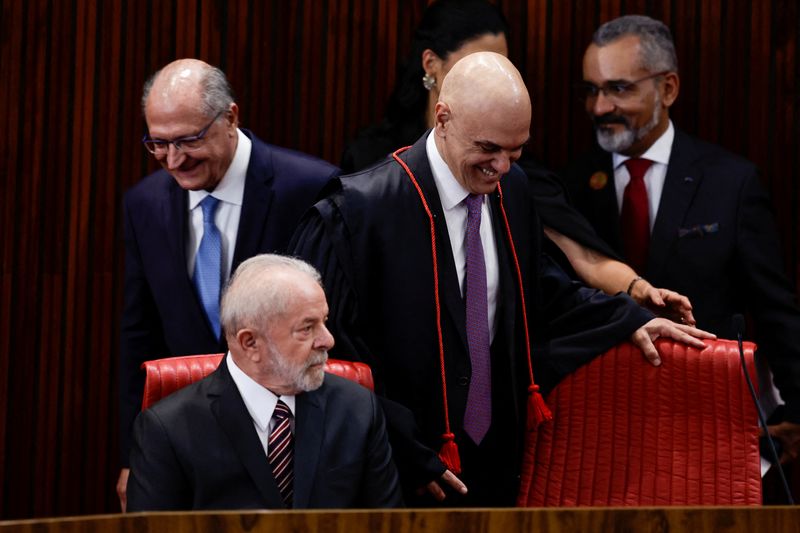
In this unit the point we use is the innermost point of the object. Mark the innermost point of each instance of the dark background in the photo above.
(307, 75)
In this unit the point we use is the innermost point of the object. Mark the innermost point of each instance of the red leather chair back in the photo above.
(165, 376)
(626, 433)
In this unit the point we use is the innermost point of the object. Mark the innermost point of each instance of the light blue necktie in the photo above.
(208, 264)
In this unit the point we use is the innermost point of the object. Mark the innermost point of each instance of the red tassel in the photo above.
(537, 409)
(449, 454)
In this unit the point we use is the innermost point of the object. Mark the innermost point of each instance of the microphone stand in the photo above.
(739, 325)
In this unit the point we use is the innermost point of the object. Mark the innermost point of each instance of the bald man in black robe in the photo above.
(399, 307)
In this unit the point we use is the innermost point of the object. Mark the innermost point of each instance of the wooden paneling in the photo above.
(307, 74)
(643, 520)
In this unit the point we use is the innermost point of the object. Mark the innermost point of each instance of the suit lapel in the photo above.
(232, 415)
(680, 186)
(417, 160)
(256, 203)
(506, 292)
(603, 199)
(175, 213)
(309, 432)
(176, 223)
(607, 204)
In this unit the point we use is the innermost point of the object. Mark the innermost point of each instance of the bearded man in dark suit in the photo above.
(693, 217)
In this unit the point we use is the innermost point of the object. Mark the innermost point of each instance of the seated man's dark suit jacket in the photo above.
(198, 449)
(371, 239)
(715, 241)
(162, 315)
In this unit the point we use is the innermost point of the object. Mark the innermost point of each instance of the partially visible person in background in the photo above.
(448, 31)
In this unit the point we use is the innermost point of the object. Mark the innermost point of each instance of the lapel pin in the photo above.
(598, 180)
(688, 179)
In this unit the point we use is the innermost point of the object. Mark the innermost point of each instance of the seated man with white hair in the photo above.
(268, 429)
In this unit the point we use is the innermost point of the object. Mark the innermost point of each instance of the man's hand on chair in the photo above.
(661, 327)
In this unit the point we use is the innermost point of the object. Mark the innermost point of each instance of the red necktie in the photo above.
(280, 453)
(635, 217)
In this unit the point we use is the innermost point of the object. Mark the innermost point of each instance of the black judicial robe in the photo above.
(370, 238)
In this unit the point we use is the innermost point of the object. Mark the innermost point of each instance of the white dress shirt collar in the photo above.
(655, 177)
(451, 196)
(231, 188)
(260, 401)
(451, 192)
(658, 152)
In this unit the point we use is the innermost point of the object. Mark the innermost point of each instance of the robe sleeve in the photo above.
(580, 323)
(322, 239)
(553, 207)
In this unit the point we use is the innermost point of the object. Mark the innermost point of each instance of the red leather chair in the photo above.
(165, 376)
(625, 433)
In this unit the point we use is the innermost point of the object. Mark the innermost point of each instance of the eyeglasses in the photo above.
(616, 91)
(191, 143)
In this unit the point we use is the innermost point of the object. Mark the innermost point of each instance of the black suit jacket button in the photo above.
(463, 381)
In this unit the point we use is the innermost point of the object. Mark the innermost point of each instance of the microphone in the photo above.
(738, 328)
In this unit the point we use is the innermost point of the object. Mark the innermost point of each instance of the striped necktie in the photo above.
(281, 452)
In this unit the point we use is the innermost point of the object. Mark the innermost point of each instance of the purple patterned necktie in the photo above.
(478, 416)
(280, 452)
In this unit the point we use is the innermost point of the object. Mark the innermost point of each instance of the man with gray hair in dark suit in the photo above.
(686, 214)
(268, 429)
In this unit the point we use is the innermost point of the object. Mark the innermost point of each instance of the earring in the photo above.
(428, 81)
